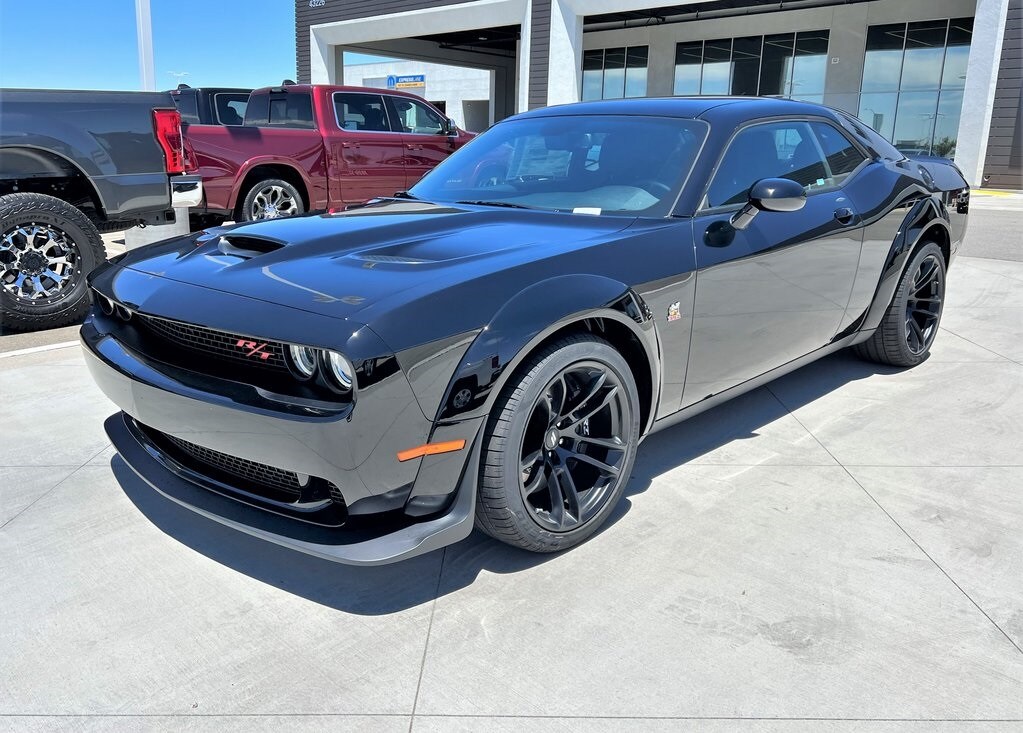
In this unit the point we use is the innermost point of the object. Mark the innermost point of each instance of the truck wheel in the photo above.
(47, 247)
(271, 199)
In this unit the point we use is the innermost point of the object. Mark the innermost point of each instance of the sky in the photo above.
(91, 44)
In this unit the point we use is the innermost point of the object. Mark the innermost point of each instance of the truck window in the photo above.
(417, 117)
(361, 112)
(291, 110)
(230, 107)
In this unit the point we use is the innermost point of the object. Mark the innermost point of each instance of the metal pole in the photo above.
(144, 25)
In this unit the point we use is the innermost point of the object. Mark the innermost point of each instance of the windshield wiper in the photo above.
(504, 204)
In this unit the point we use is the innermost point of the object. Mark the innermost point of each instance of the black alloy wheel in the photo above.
(923, 304)
(909, 326)
(559, 446)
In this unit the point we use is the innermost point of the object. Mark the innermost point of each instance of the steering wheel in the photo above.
(654, 188)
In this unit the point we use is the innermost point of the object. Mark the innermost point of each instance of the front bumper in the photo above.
(349, 547)
(335, 448)
(186, 191)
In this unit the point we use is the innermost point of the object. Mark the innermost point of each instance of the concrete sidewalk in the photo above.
(842, 546)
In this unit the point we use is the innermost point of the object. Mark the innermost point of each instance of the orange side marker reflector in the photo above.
(430, 449)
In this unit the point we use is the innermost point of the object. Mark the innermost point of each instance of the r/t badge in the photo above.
(674, 312)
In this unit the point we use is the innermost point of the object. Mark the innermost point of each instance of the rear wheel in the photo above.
(559, 446)
(47, 247)
(907, 331)
(273, 198)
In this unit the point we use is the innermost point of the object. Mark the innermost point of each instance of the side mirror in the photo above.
(770, 194)
(450, 128)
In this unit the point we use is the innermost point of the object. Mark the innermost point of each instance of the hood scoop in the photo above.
(246, 246)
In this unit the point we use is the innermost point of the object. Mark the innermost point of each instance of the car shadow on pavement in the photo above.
(391, 588)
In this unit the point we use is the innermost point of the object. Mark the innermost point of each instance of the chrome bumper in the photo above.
(186, 191)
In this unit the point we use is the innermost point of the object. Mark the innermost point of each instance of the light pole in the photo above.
(144, 28)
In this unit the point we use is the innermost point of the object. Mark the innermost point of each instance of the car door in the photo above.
(367, 152)
(424, 133)
(779, 288)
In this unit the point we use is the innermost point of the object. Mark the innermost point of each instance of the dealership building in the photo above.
(933, 76)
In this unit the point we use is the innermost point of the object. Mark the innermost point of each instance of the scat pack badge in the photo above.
(673, 312)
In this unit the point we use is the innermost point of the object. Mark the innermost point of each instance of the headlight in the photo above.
(303, 361)
(341, 370)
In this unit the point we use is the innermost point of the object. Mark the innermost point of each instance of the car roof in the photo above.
(686, 107)
(307, 88)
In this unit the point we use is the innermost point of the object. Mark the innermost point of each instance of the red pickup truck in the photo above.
(307, 147)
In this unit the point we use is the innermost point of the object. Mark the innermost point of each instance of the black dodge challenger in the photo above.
(491, 347)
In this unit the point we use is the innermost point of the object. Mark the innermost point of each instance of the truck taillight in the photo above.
(168, 133)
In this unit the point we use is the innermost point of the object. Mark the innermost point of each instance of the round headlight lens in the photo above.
(303, 359)
(341, 370)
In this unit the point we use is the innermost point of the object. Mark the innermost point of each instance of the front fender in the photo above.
(529, 318)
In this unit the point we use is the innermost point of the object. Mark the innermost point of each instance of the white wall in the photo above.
(449, 84)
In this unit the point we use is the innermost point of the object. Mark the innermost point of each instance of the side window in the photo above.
(361, 112)
(291, 110)
(843, 157)
(775, 150)
(231, 107)
(416, 117)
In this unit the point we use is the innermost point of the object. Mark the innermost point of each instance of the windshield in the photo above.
(586, 164)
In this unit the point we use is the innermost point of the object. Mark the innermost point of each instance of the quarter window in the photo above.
(291, 110)
(783, 150)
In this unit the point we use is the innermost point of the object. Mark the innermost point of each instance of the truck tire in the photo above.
(47, 248)
(271, 198)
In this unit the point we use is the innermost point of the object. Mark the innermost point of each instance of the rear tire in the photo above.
(272, 198)
(47, 248)
(559, 446)
(910, 325)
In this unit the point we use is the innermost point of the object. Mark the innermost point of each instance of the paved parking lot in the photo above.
(839, 551)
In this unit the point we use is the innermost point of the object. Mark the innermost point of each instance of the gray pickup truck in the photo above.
(74, 164)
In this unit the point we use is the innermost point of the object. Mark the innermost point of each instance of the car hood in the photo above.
(340, 264)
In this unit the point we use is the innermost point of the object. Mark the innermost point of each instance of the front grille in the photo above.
(260, 474)
(250, 351)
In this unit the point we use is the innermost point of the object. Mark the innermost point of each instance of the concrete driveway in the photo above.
(839, 551)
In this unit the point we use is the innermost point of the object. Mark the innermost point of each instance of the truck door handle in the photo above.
(844, 215)
(413, 146)
(349, 144)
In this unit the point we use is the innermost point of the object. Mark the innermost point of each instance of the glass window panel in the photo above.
(688, 62)
(717, 66)
(810, 63)
(882, 65)
(776, 150)
(946, 128)
(776, 69)
(914, 122)
(614, 73)
(925, 50)
(746, 65)
(960, 32)
(843, 157)
(878, 111)
(635, 72)
(593, 74)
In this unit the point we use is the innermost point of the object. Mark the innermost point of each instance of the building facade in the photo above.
(933, 76)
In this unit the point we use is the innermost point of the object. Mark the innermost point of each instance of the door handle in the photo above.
(413, 146)
(349, 144)
(845, 215)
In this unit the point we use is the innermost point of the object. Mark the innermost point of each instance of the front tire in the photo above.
(909, 326)
(272, 198)
(559, 446)
(47, 247)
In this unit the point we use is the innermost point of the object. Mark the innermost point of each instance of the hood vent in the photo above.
(240, 245)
